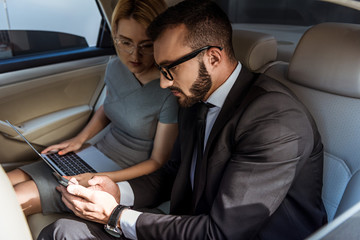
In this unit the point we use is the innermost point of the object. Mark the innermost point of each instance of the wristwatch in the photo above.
(111, 227)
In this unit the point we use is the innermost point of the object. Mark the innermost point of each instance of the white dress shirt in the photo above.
(217, 98)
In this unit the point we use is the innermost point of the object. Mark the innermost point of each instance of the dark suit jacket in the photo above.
(261, 176)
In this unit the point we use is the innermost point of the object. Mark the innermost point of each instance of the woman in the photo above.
(143, 116)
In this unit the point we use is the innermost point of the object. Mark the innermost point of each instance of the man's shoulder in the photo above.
(249, 83)
(274, 96)
(271, 85)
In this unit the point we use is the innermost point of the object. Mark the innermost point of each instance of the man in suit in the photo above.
(260, 174)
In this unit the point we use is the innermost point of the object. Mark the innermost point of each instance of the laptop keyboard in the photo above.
(71, 164)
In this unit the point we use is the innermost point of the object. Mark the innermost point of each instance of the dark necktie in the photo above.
(200, 127)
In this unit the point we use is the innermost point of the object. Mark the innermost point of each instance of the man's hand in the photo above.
(104, 183)
(82, 179)
(88, 203)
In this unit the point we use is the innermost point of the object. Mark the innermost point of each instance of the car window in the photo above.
(37, 26)
(287, 20)
(291, 12)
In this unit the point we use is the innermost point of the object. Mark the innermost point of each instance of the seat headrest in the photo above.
(254, 49)
(327, 58)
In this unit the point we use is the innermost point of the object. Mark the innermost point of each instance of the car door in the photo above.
(52, 65)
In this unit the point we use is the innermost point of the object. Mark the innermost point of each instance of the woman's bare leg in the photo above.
(17, 176)
(26, 191)
(28, 197)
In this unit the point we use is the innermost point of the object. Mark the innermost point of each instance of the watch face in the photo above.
(113, 231)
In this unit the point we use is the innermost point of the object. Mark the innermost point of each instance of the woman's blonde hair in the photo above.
(143, 11)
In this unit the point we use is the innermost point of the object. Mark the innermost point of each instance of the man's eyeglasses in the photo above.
(128, 47)
(165, 70)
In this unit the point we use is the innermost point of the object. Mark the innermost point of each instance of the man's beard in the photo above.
(198, 90)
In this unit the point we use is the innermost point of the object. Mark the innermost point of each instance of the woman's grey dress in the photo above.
(134, 111)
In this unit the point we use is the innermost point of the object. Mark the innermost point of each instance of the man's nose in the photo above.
(164, 82)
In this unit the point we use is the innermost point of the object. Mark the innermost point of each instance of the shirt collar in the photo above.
(218, 97)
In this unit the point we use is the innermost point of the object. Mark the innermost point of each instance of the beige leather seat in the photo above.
(255, 50)
(325, 74)
(12, 221)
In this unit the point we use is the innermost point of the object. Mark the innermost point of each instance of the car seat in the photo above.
(324, 73)
(256, 51)
(13, 222)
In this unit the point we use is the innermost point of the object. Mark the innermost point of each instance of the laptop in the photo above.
(345, 226)
(89, 159)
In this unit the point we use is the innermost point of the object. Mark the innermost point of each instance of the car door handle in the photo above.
(7, 130)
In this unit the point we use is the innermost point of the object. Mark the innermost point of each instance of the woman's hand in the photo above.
(70, 145)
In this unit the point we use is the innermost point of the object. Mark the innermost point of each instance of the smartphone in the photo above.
(63, 181)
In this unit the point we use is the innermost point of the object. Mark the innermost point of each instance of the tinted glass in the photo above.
(291, 12)
(37, 26)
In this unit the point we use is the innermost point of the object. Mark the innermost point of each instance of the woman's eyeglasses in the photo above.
(128, 47)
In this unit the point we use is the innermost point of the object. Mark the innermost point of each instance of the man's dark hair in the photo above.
(205, 21)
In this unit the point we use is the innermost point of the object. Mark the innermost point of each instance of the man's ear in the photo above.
(214, 57)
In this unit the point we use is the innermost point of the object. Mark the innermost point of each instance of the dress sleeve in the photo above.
(169, 110)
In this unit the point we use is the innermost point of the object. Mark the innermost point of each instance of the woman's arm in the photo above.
(95, 125)
(163, 143)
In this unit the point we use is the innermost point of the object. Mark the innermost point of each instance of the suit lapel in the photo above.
(232, 102)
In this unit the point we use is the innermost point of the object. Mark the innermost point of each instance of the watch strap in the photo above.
(111, 226)
(115, 215)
